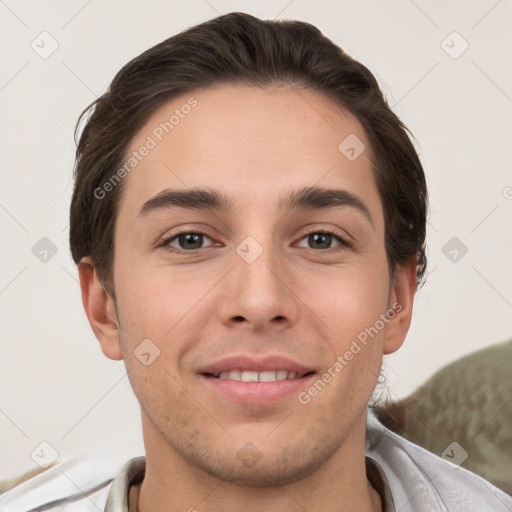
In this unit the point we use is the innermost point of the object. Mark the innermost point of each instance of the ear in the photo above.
(401, 301)
(100, 310)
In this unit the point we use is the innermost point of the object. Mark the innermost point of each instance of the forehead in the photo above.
(264, 141)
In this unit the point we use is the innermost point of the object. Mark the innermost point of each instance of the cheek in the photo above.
(349, 300)
(165, 305)
(143, 297)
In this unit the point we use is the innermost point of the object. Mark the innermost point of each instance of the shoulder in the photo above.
(419, 480)
(81, 485)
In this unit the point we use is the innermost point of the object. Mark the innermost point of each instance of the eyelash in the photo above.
(344, 244)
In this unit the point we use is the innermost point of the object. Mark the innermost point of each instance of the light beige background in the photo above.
(55, 384)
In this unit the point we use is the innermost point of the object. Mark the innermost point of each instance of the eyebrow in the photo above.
(307, 198)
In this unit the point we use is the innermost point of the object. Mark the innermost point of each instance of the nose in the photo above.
(258, 292)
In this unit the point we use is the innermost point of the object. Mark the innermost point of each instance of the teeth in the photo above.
(250, 376)
(267, 376)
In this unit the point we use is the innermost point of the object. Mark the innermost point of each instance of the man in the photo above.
(248, 221)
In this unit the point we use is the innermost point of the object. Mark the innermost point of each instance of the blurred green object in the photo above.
(468, 402)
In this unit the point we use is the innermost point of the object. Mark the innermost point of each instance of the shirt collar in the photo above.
(132, 473)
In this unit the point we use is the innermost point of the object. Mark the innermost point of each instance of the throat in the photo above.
(133, 498)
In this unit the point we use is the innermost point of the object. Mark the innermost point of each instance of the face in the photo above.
(265, 308)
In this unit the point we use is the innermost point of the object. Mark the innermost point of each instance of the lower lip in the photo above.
(257, 392)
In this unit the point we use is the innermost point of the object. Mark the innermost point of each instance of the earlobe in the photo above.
(100, 310)
(401, 302)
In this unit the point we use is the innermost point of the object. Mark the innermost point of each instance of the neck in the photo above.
(172, 483)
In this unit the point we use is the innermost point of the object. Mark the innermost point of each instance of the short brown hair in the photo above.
(238, 48)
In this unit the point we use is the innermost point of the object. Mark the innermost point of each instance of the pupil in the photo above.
(192, 238)
(317, 237)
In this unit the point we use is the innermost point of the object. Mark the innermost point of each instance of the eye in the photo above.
(323, 240)
(190, 241)
(187, 241)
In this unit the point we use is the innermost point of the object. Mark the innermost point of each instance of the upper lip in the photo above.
(268, 363)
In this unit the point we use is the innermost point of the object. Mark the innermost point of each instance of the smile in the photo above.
(252, 376)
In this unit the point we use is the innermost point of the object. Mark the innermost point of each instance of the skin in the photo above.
(296, 300)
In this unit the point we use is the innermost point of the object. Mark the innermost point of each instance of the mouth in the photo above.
(250, 380)
(253, 376)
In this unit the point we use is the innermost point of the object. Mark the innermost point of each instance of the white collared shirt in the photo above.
(415, 480)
